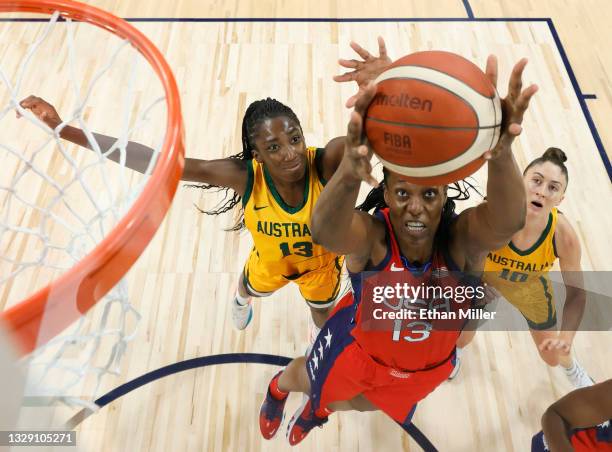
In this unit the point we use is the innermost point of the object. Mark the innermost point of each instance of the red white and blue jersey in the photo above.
(598, 438)
(410, 345)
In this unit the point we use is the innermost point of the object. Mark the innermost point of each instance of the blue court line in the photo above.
(226, 358)
(203, 361)
(581, 100)
(468, 9)
(589, 96)
(420, 438)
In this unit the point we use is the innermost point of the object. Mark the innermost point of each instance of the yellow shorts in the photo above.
(319, 287)
(535, 302)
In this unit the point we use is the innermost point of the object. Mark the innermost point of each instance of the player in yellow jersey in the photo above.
(278, 178)
(519, 270)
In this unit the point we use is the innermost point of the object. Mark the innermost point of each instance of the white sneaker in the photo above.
(578, 376)
(241, 314)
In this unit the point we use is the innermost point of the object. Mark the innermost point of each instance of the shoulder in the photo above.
(249, 181)
(328, 158)
(376, 247)
(466, 255)
(566, 239)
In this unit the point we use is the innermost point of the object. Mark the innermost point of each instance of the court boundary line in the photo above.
(468, 9)
(205, 361)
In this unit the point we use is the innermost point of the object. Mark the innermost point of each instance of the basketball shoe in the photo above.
(271, 413)
(302, 422)
(578, 376)
(241, 314)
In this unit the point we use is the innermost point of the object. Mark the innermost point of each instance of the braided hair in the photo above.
(376, 200)
(555, 156)
(255, 114)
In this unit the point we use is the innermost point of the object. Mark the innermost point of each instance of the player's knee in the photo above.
(360, 403)
(321, 311)
(302, 375)
(465, 338)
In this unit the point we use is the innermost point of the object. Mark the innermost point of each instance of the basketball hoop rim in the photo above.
(66, 298)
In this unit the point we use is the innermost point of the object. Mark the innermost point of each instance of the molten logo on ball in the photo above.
(404, 100)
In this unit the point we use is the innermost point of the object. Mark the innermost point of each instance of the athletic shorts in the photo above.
(319, 287)
(535, 301)
(339, 369)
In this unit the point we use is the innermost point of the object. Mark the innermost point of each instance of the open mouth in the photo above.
(537, 204)
(415, 226)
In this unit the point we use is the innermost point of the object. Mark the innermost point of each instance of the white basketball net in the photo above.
(57, 201)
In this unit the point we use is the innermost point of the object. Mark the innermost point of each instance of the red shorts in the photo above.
(339, 369)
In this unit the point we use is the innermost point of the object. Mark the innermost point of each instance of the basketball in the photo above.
(434, 115)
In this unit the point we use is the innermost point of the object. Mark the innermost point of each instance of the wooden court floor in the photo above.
(182, 283)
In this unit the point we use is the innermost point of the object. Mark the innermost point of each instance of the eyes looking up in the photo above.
(538, 181)
(428, 193)
(295, 139)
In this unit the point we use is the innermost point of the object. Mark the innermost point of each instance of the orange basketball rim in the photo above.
(72, 294)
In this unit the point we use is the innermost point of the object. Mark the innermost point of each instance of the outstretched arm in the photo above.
(581, 408)
(222, 172)
(335, 222)
(491, 224)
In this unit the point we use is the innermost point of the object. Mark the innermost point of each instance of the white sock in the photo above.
(571, 369)
(242, 301)
(459, 352)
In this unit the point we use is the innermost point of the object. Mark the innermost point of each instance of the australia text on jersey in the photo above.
(519, 265)
(274, 229)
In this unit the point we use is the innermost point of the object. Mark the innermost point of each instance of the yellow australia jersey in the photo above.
(281, 233)
(521, 275)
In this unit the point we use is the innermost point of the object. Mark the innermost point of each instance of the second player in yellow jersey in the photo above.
(519, 270)
(521, 276)
(283, 249)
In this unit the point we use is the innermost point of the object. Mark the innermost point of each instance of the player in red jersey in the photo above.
(581, 421)
(352, 366)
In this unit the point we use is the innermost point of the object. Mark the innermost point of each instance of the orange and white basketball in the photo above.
(434, 115)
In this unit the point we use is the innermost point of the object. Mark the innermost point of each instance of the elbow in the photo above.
(543, 421)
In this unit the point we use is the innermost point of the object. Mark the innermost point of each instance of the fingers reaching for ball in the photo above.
(514, 105)
(356, 148)
(364, 70)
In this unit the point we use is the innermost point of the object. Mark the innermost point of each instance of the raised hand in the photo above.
(356, 149)
(42, 109)
(364, 71)
(514, 105)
